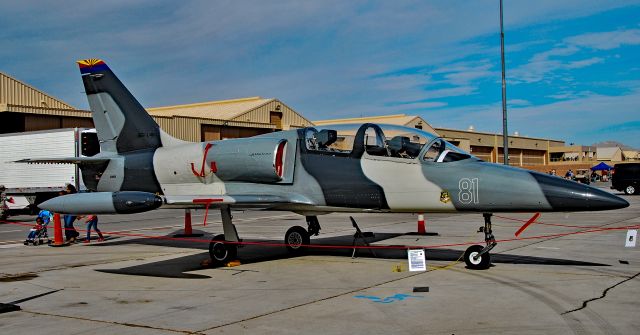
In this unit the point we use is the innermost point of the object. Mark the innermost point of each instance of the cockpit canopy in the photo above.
(381, 140)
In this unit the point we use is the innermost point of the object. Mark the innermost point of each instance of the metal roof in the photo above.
(607, 152)
(219, 110)
(13, 92)
(631, 154)
(397, 119)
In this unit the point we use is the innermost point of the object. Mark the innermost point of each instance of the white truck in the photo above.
(29, 184)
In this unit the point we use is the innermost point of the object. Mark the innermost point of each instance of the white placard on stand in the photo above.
(417, 260)
(632, 236)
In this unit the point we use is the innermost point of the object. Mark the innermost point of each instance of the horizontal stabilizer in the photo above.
(63, 160)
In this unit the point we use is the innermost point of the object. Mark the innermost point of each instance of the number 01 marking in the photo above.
(468, 190)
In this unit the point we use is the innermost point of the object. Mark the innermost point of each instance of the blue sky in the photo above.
(572, 66)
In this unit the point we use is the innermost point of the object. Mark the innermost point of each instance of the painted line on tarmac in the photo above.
(147, 228)
(10, 244)
(11, 231)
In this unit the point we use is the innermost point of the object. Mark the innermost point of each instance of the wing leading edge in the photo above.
(256, 201)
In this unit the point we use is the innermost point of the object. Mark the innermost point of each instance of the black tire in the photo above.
(222, 253)
(296, 239)
(630, 189)
(481, 263)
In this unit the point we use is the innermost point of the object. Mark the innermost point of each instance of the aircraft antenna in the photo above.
(505, 133)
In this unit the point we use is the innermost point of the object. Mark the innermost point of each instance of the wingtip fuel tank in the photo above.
(124, 202)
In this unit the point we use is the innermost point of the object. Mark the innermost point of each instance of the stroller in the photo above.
(38, 234)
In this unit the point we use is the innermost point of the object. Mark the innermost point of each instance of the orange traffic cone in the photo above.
(57, 232)
(188, 230)
(421, 229)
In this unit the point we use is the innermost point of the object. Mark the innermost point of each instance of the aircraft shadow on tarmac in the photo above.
(180, 266)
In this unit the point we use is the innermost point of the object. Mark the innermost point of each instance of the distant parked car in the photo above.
(583, 176)
(626, 177)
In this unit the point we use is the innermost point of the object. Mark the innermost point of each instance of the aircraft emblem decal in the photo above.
(445, 197)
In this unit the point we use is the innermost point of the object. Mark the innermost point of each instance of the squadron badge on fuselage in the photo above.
(445, 197)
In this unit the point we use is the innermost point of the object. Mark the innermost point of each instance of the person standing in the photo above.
(92, 223)
(70, 232)
(4, 209)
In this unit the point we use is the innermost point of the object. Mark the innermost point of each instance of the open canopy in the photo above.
(600, 167)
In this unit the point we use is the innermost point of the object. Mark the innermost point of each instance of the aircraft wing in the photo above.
(63, 160)
(263, 201)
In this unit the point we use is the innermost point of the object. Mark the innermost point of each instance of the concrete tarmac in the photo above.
(137, 282)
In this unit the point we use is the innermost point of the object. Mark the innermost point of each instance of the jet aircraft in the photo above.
(312, 171)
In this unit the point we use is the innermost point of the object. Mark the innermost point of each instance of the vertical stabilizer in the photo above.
(122, 124)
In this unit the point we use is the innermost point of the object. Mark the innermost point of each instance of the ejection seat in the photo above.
(401, 146)
(398, 146)
(325, 138)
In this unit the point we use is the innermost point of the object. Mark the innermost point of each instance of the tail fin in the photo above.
(122, 124)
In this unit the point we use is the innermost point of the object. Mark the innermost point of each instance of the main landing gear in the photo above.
(223, 248)
(297, 238)
(220, 251)
(477, 257)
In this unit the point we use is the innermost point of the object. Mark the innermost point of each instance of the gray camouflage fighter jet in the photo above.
(310, 171)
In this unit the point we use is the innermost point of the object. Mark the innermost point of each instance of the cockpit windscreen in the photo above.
(383, 140)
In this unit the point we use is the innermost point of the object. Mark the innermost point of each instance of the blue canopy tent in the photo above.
(601, 167)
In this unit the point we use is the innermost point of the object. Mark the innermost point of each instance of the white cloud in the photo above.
(421, 105)
(584, 63)
(467, 75)
(606, 40)
(449, 92)
(519, 102)
(544, 65)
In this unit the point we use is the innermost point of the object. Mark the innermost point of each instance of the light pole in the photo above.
(505, 133)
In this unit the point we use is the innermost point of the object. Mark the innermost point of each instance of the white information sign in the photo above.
(632, 236)
(417, 260)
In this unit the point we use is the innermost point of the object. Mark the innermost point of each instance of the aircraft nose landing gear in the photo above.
(477, 257)
(298, 239)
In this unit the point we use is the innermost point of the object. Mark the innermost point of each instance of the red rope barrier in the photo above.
(328, 246)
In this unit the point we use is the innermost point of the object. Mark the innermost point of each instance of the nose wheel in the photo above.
(296, 239)
(477, 257)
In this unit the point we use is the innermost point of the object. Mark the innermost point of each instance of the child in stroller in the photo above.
(38, 233)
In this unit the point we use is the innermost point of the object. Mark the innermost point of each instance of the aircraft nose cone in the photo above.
(54, 205)
(567, 195)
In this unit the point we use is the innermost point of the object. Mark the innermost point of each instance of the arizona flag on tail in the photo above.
(91, 65)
